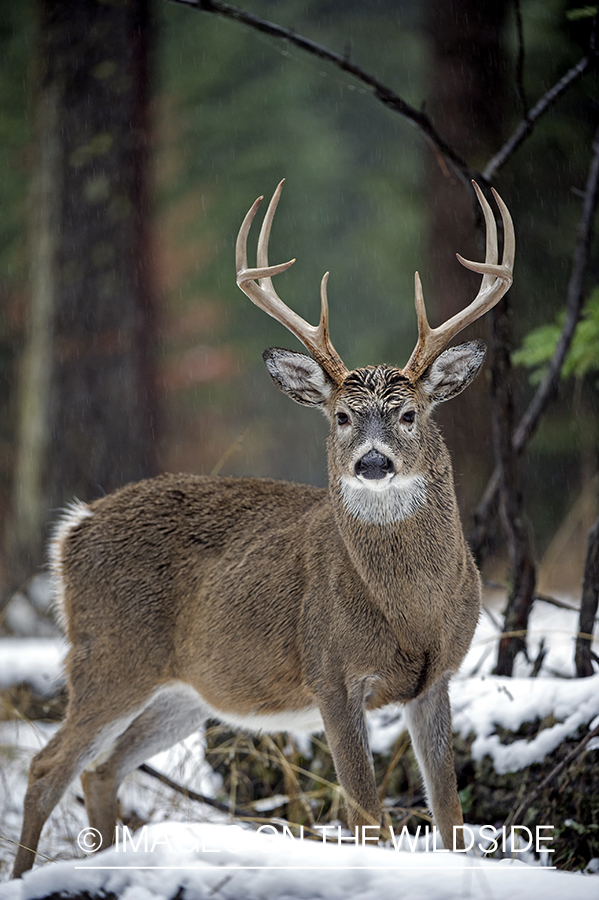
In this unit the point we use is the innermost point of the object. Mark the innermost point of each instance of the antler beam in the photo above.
(257, 285)
(497, 280)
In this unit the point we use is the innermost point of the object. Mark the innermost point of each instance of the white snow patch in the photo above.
(36, 661)
(481, 704)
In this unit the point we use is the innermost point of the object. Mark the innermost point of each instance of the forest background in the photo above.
(125, 346)
(134, 136)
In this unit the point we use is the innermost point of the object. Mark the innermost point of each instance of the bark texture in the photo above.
(466, 99)
(87, 409)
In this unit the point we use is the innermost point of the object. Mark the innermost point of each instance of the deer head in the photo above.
(382, 443)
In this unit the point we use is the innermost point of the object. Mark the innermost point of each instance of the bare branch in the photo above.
(529, 121)
(193, 795)
(383, 93)
(584, 655)
(557, 770)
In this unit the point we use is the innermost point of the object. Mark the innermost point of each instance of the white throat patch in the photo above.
(383, 502)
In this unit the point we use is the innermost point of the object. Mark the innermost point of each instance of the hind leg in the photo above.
(78, 741)
(174, 713)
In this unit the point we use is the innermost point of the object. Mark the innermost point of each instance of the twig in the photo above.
(18, 844)
(557, 770)
(522, 570)
(561, 604)
(548, 387)
(520, 60)
(584, 655)
(231, 449)
(192, 795)
(543, 598)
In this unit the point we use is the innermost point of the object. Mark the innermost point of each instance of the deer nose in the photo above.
(374, 465)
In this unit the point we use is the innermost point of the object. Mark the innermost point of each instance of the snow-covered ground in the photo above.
(229, 863)
(195, 846)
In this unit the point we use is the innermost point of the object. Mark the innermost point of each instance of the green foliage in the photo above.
(583, 356)
(583, 12)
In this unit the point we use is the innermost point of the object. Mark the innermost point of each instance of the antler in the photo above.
(315, 339)
(497, 280)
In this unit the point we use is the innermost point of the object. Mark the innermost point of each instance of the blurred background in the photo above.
(134, 136)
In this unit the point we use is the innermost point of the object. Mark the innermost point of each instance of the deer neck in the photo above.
(397, 542)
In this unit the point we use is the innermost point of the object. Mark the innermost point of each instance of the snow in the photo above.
(481, 704)
(36, 661)
(194, 846)
(230, 862)
(480, 701)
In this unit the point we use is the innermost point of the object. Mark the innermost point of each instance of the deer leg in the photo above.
(347, 736)
(79, 740)
(429, 723)
(171, 716)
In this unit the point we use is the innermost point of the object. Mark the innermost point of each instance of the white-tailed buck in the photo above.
(275, 606)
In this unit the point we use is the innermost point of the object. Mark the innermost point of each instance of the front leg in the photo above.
(429, 723)
(345, 727)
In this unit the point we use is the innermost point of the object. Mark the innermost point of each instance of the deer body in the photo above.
(270, 605)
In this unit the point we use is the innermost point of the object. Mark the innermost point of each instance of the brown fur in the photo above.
(265, 598)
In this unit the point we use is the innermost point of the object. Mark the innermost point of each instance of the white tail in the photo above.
(276, 606)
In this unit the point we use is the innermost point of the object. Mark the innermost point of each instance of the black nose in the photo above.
(374, 465)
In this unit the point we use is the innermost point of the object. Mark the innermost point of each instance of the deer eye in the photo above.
(408, 417)
(342, 418)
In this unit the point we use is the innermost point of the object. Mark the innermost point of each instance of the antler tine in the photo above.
(497, 280)
(263, 295)
(264, 237)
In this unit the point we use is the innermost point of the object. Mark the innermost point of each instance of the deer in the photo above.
(273, 606)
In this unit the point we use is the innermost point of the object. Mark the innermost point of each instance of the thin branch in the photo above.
(549, 386)
(520, 60)
(542, 598)
(383, 93)
(529, 121)
(557, 770)
(192, 795)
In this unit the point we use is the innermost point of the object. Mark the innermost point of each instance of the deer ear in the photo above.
(299, 376)
(453, 371)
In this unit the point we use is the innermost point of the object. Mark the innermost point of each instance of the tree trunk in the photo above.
(87, 407)
(522, 572)
(466, 102)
